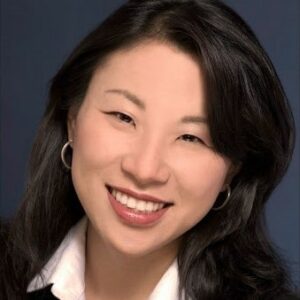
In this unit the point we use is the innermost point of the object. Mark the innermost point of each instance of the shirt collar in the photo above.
(65, 270)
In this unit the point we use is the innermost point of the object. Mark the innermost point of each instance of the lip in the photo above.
(133, 217)
(139, 196)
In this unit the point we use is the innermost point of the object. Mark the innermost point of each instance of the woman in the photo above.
(166, 131)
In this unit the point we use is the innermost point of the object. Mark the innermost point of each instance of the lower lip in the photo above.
(132, 217)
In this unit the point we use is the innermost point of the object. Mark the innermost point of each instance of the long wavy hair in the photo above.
(228, 254)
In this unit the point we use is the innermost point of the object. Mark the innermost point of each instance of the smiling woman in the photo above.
(156, 155)
(143, 146)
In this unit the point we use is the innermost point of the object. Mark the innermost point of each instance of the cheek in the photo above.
(95, 146)
(96, 151)
(201, 177)
(199, 183)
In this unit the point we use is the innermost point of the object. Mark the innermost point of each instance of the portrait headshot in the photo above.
(149, 150)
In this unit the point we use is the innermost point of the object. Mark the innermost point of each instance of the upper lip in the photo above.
(140, 196)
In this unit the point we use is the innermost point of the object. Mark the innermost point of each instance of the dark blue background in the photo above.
(37, 36)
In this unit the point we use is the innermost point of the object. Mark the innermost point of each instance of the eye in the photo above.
(121, 117)
(192, 139)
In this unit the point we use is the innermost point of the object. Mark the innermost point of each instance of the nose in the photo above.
(145, 163)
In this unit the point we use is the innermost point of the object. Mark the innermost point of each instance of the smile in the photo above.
(133, 203)
(136, 211)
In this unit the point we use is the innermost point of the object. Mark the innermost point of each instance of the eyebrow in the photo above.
(129, 96)
(194, 119)
(138, 102)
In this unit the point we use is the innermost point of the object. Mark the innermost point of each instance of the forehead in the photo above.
(153, 70)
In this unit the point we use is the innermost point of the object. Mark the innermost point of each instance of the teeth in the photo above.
(123, 198)
(155, 206)
(140, 205)
(131, 203)
(149, 206)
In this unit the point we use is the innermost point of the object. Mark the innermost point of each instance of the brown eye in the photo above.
(191, 138)
(122, 117)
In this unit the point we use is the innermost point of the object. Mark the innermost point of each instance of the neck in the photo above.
(110, 274)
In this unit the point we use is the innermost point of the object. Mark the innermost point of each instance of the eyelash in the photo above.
(193, 138)
(121, 116)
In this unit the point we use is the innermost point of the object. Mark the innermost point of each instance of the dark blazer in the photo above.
(45, 294)
(42, 294)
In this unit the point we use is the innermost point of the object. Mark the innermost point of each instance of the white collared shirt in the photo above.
(65, 270)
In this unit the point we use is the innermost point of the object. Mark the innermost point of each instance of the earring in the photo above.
(226, 200)
(63, 152)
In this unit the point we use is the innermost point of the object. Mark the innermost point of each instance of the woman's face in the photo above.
(142, 127)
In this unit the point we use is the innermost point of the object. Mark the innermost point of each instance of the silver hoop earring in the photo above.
(226, 200)
(63, 152)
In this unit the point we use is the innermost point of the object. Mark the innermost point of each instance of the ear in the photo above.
(233, 170)
(71, 125)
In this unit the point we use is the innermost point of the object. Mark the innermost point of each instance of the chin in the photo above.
(133, 248)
